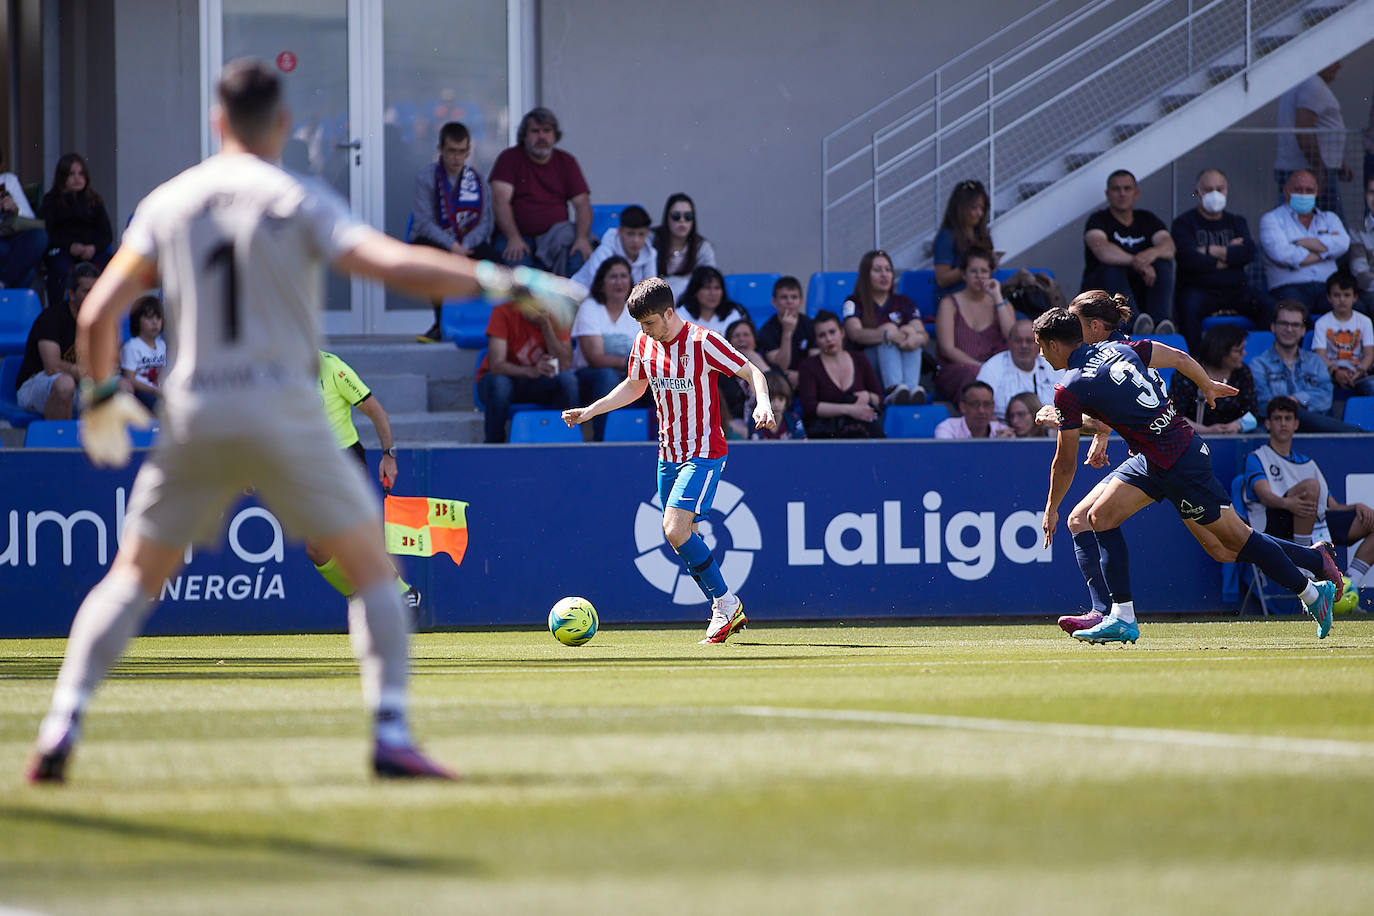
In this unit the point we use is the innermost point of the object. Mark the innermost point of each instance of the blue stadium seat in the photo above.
(828, 289)
(630, 424)
(52, 434)
(10, 410)
(919, 287)
(542, 426)
(605, 217)
(1307, 340)
(18, 309)
(754, 292)
(1359, 411)
(477, 401)
(1173, 340)
(913, 421)
(1239, 321)
(463, 322)
(1256, 342)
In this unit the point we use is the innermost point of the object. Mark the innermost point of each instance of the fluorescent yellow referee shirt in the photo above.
(340, 389)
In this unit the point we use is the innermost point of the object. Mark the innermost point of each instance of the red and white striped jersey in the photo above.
(684, 389)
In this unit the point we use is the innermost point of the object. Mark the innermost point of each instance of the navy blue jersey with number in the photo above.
(1112, 381)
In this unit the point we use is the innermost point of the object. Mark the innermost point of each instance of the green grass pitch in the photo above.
(1215, 767)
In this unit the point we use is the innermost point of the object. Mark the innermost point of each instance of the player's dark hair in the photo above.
(1119, 173)
(1281, 404)
(976, 252)
(1059, 325)
(663, 232)
(787, 282)
(650, 297)
(700, 277)
(1218, 342)
(598, 291)
(64, 168)
(1291, 305)
(1342, 279)
(250, 94)
(144, 305)
(825, 315)
(1113, 309)
(963, 392)
(83, 271)
(455, 131)
(634, 217)
(541, 116)
(863, 287)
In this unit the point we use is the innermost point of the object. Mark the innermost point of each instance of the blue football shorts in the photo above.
(1191, 484)
(690, 484)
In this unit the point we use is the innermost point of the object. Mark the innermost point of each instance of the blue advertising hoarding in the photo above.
(810, 530)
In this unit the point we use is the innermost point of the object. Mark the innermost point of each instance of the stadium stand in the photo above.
(18, 309)
(913, 421)
(827, 289)
(542, 426)
(630, 424)
(1359, 411)
(10, 410)
(754, 292)
(464, 322)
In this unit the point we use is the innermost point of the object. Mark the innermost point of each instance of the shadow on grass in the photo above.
(231, 841)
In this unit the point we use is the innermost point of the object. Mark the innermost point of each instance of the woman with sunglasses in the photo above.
(681, 249)
(965, 226)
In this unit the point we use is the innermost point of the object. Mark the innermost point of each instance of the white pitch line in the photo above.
(1285, 745)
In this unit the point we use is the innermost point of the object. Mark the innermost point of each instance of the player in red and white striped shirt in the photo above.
(680, 361)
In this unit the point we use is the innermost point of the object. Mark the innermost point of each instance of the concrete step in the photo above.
(400, 392)
(411, 428)
(1073, 161)
(389, 356)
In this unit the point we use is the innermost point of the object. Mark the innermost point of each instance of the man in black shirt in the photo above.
(47, 377)
(1213, 248)
(1130, 251)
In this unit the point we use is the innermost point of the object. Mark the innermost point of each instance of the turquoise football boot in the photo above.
(1321, 608)
(1111, 629)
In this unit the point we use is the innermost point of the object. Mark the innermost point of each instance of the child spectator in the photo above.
(1344, 339)
(1020, 417)
(838, 389)
(1222, 355)
(787, 337)
(888, 325)
(679, 248)
(630, 241)
(736, 392)
(143, 358)
(783, 398)
(971, 325)
(704, 303)
(965, 226)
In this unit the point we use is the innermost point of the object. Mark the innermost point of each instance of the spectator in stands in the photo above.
(838, 388)
(1130, 251)
(1020, 416)
(679, 248)
(888, 326)
(48, 374)
(1362, 249)
(452, 208)
(1287, 369)
(1213, 247)
(1222, 355)
(532, 184)
(630, 240)
(979, 418)
(783, 397)
(78, 226)
(528, 361)
(143, 358)
(604, 331)
(1344, 339)
(1286, 495)
(965, 226)
(1019, 368)
(1312, 105)
(787, 336)
(23, 239)
(1301, 244)
(704, 301)
(971, 325)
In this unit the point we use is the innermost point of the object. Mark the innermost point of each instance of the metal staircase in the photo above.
(1138, 83)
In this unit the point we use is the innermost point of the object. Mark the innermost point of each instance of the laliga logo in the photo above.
(665, 573)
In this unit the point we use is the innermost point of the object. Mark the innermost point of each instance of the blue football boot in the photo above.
(1111, 629)
(1321, 608)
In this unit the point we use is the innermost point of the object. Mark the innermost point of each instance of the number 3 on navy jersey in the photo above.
(1123, 370)
(222, 259)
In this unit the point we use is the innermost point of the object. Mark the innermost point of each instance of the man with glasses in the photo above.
(978, 420)
(1287, 369)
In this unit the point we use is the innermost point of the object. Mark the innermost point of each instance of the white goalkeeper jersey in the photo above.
(241, 246)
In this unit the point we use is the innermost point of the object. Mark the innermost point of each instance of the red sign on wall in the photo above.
(286, 62)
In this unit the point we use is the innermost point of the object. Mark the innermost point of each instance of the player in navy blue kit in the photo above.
(1111, 381)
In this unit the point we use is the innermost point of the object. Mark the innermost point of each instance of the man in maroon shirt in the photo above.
(531, 186)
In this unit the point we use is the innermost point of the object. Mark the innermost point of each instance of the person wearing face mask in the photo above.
(1301, 244)
(1213, 247)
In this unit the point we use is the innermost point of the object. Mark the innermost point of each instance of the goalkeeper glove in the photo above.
(107, 413)
(555, 296)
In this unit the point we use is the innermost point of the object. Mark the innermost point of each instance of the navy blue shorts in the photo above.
(1191, 484)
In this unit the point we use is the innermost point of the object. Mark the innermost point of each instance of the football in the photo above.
(573, 621)
(1348, 598)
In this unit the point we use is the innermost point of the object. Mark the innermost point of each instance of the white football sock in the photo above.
(377, 629)
(1358, 572)
(1308, 594)
(1302, 540)
(1124, 611)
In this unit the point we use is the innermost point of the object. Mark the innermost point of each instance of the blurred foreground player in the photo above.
(237, 245)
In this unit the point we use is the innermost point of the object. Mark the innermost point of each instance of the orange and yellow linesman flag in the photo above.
(418, 526)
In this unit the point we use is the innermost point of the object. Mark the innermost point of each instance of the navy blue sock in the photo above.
(1090, 562)
(702, 566)
(1308, 558)
(1268, 554)
(1116, 563)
